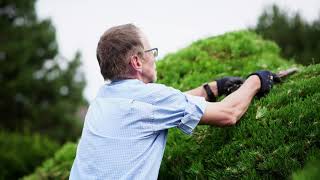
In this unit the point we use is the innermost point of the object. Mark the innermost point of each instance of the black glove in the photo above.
(267, 79)
(228, 85)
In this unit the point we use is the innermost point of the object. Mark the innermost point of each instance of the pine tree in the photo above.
(40, 91)
(297, 38)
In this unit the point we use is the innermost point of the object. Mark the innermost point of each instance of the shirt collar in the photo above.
(120, 81)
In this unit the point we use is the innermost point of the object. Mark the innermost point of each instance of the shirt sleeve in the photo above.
(172, 108)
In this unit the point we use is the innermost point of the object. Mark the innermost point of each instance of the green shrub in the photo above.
(57, 167)
(21, 154)
(274, 138)
(277, 135)
(310, 172)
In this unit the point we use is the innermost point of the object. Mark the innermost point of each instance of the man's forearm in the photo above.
(241, 98)
(200, 91)
(228, 111)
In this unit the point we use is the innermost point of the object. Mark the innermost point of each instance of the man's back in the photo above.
(125, 130)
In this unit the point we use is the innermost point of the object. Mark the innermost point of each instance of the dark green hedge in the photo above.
(277, 134)
(57, 167)
(21, 154)
(311, 171)
(275, 138)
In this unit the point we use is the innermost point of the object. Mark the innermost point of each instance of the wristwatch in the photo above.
(211, 97)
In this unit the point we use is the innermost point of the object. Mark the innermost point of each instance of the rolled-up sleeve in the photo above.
(172, 108)
(194, 110)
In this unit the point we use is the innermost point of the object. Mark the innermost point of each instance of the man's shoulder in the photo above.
(156, 86)
(150, 93)
(161, 89)
(161, 93)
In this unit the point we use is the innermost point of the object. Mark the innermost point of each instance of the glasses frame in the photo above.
(154, 52)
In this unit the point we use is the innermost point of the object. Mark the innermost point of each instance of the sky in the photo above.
(169, 24)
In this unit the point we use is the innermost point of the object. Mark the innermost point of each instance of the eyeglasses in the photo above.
(154, 51)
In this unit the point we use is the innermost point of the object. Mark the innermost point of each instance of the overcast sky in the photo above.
(169, 25)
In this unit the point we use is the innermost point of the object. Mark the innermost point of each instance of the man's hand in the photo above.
(267, 79)
(228, 85)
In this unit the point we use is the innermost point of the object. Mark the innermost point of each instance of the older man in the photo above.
(126, 126)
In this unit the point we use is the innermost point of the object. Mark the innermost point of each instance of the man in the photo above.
(126, 126)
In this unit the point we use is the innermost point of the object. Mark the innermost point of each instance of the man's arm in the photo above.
(230, 109)
(199, 91)
(219, 87)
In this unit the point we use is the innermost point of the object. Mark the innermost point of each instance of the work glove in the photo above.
(267, 79)
(228, 85)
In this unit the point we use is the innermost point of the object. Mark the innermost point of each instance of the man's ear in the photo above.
(136, 62)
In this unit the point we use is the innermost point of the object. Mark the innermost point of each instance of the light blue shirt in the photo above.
(126, 126)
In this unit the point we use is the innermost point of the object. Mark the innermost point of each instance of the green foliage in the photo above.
(277, 135)
(273, 139)
(21, 154)
(310, 172)
(297, 38)
(57, 167)
(40, 91)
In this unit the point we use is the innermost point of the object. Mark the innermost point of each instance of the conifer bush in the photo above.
(311, 171)
(58, 167)
(275, 138)
(20, 154)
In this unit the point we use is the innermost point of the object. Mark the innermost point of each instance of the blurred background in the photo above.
(49, 73)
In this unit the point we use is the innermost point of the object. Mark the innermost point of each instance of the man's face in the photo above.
(149, 71)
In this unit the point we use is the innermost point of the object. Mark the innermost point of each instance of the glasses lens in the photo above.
(155, 52)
